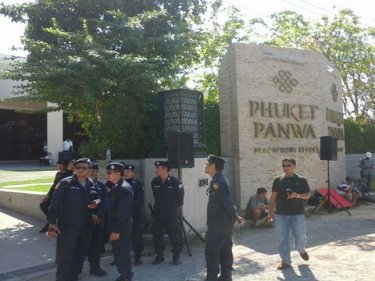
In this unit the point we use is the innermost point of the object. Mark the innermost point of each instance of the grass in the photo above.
(41, 188)
(41, 180)
(42, 184)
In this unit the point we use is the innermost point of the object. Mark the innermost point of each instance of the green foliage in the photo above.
(345, 43)
(103, 63)
(212, 126)
(289, 29)
(214, 39)
(359, 136)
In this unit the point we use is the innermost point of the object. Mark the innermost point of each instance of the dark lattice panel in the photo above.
(183, 112)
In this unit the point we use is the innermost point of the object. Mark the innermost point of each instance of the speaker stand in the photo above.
(329, 195)
(185, 234)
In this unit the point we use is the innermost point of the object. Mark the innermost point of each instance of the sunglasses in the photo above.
(81, 168)
(284, 166)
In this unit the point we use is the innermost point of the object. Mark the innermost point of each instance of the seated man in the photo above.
(46, 160)
(347, 190)
(258, 207)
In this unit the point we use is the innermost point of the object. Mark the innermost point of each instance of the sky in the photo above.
(10, 33)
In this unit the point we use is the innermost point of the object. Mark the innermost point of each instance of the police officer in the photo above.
(138, 212)
(169, 197)
(120, 220)
(98, 218)
(44, 205)
(72, 205)
(221, 216)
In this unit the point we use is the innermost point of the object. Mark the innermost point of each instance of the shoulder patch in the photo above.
(181, 186)
(215, 186)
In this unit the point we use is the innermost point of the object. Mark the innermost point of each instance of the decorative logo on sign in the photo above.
(334, 92)
(284, 81)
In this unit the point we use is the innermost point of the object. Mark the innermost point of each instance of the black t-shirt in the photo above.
(286, 206)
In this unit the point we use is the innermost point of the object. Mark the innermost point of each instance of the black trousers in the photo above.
(171, 226)
(44, 206)
(121, 252)
(137, 236)
(218, 251)
(72, 250)
(95, 248)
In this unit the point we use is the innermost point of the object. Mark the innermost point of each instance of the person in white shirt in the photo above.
(67, 145)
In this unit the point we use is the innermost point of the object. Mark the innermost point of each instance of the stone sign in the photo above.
(277, 103)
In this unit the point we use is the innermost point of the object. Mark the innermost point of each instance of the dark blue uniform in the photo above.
(69, 207)
(137, 214)
(120, 221)
(58, 177)
(96, 244)
(221, 216)
(169, 198)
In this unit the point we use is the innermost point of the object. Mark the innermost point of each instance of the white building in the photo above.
(25, 126)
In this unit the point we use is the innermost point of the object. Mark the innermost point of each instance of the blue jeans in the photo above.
(283, 225)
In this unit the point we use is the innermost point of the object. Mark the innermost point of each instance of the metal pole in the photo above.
(329, 188)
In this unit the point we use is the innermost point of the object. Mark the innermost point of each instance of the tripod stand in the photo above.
(329, 194)
(182, 220)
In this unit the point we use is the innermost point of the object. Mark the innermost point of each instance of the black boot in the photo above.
(44, 229)
(137, 260)
(176, 260)
(224, 276)
(158, 259)
(211, 277)
(98, 272)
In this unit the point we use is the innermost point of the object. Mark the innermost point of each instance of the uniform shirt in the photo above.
(168, 196)
(138, 197)
(120, 208)
(70, 202)
(58, 177)
(221, 209)
(104, 198)
(286, 206)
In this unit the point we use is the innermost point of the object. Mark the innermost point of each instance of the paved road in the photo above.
(341, 247)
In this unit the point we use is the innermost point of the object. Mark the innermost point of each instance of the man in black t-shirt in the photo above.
(288, 194)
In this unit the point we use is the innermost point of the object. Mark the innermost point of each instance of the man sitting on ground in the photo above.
(347, 190)
(258, 207)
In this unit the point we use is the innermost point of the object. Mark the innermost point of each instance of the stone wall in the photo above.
(23, 202)
(277, 103)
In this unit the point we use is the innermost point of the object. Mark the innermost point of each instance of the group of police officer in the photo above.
(83, 211)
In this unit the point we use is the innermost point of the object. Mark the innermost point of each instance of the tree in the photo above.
(350, 47)
(215, 37)
(103, 62)
(345, 43)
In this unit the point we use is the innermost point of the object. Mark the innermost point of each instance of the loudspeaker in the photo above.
(180, 150)
(328, 148)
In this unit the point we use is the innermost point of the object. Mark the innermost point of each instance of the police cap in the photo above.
(61, 162)
(129, 167)
(95, 166)
(161, 163)
(115, 166)
(213, 159)
(84, 160)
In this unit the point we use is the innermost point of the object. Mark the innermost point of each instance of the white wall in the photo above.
(55, 132)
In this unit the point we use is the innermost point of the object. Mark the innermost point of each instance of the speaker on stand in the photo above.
(181, 155)
(328, 151)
